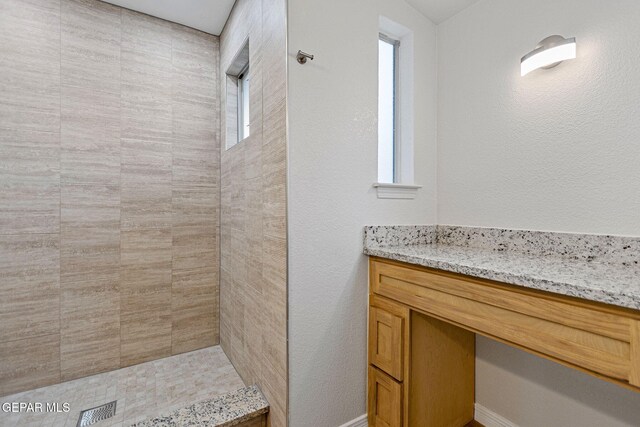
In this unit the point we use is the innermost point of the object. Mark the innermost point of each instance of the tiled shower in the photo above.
(128, 232)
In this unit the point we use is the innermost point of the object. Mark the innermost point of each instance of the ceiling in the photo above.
(204, 15)
(440, 10)
(210, 15)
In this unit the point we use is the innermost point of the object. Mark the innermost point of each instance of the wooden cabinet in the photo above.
(421, 339)
(386, 341)
(385, 402)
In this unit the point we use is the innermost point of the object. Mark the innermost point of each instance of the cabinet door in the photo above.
(385, 400)
(385, 341)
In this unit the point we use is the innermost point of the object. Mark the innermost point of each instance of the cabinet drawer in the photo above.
(385, 400)
(386, 332)
(587, 336)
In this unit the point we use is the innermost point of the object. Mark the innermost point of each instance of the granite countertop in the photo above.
(227, 410)
(592, 277)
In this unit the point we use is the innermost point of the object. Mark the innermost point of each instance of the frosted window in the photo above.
(387, 54)
(243, 105)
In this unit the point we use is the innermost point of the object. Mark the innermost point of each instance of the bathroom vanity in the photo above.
(428, 300)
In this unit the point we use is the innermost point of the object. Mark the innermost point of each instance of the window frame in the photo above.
(243, 121)
(234, 101)
(395, 43)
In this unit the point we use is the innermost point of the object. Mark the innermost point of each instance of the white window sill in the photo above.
(396, 191)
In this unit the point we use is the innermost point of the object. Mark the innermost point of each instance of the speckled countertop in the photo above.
(597, 268)
(221, 411)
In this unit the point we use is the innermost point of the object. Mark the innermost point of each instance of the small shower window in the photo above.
(387, 109)
(237, 111)
(244, 129)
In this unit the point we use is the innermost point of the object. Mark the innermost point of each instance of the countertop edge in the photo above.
(556, 287)
(241, 405)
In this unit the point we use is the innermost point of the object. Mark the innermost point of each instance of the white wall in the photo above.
(556, 150)
(332, 165)
(531, 391)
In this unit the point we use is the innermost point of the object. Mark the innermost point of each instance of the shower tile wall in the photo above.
(253, 285)
(109, 183)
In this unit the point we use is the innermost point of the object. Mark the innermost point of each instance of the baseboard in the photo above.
(488, 418)
(484, 416)
(361, 421)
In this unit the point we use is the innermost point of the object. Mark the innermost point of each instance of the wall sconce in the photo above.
(549, 53)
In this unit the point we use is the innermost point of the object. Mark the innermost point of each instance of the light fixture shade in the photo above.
(549, 53)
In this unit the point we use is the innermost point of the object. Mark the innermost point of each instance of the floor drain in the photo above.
(99, 413)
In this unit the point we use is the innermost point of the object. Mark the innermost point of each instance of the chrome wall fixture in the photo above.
(303, 56)
(549, 53)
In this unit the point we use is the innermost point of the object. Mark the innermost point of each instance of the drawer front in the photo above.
(386, 341)
(546, 326)
(385, 400)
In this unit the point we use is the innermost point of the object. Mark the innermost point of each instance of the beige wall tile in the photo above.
(90, 196)
(146, 77)
(90, 329)
(253, 334)
(274, 258)
(195, 247)
(185, 39)
(146, 122)
(91, 45)
(274, 176)
(30, 87)
(274, 344)
(194, 305)
(145, 335)
(89, 280)
(29, 290)
(30, 185)
(109, 145)
(146, 249)
(29, 181)
(36, 106)
(146, 184)
(253, 287)
(146, 34)
(145, 295)
(146, 207)
(30, 65)
(274, 388)
(254, 230)
(195, 205)
(194, 166)
(227, 295)
(42, 367)
(88, 255)
(90, 136)
(277, 393)
(146, 100)
(90, 205)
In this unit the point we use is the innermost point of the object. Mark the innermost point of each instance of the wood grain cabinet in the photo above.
(386, 341)
(385, 406)
(422, 326)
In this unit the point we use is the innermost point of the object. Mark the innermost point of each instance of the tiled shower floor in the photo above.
(149, 389)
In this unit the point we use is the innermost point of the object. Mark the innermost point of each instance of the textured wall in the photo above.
(253, 285)
(333, 161)
(556, 150)
(109, 153)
